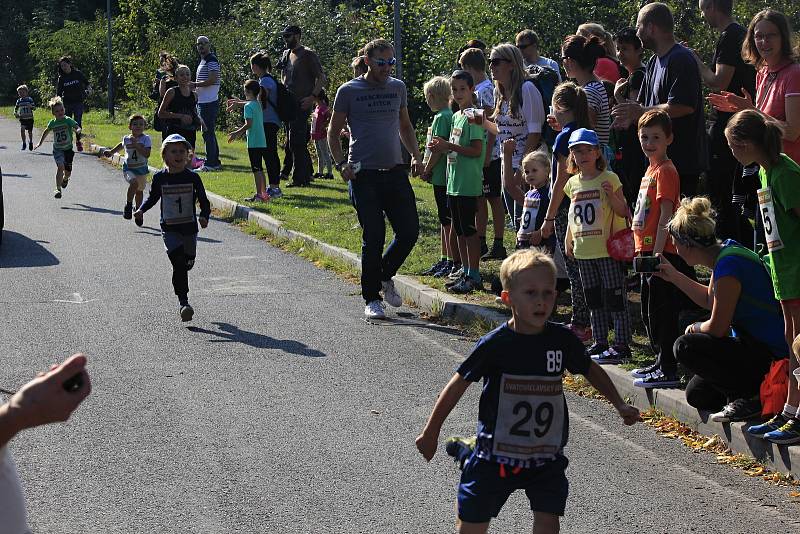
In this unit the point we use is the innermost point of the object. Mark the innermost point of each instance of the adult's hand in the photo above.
(416, 167)
(547, 229)
(626, 114)
(731, 102)
(307, 102)
(666, 271)
(347, 173)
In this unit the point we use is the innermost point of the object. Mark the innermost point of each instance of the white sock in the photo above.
(790, 411)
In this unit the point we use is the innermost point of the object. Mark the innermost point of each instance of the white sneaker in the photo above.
(390, 294)
(374, 310)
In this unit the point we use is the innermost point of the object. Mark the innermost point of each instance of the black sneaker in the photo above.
(738, 410)
(498, 252)
(186, 313)
(644, 372)
(127, 211)
(657, 379)
(30, 147)
(446, 269)
(455, 282)
(460, 449)
(596, 348)
(57, 194)
(64, 183)
(433, 269)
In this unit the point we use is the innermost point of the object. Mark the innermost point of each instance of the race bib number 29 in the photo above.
(530, 416)
(766, 206)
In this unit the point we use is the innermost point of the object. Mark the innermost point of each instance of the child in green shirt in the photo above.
(62, 128)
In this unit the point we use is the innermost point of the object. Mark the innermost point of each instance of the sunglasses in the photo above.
(497, 60)
(524, 46)
(380, 62)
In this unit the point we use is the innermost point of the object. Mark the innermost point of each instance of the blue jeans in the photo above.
(375, 194)
(208, 112)
(75, 111)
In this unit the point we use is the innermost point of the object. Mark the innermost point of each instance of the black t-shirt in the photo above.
(729, 52)
(675, 79)
(522, 417)
(71, 87)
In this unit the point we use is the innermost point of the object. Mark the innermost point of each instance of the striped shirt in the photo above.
(598, 102)
(207, 65)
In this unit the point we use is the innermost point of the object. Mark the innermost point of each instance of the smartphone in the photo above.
(646, 264)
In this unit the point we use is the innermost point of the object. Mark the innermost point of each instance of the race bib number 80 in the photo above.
(586, 213)
(177, 203)
(530, 416)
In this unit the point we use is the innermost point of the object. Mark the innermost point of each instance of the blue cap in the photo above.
(583, 136)
(176, 138)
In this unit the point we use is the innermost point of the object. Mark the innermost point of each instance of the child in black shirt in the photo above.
(178, 188)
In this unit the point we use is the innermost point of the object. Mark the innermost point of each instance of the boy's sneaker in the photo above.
(657, 379)
(644, 372)
(456, 274)
(274, 192)
(457, 281)
(584, 333)
(57, 194)
(788, 434)
(758, 431)
(374, 310)
(127, 211)
(433, 269)
(390, 294)
(466, 285)
(264, 197)
(460, 449)
(738, 410)
(23, 145)
(498, 252)
(445, 270)
(612, 355)
(186, 312)
(64, 183)
(596, 349)
(30, 146)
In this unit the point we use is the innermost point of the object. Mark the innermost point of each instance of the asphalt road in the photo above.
(278, 409)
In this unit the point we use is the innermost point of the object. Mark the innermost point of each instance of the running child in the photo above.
(534, 196)
(755, 138)
(253, 128)
(320, 118)
(521, 364)
(437, 96)
(178, 189)
(597, 206)
(23, 110)
(62, 128)
(658, 198)
(137, 147)
(466, 151)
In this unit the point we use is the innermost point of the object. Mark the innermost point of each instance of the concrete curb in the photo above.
(670, 401)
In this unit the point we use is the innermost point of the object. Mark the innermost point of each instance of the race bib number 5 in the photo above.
(767, 208)
(586, 213)
(177, 203)
(530, 416)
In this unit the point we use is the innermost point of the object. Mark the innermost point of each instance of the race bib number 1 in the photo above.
(177, 203)
(530, 416)
(767, 209)
(586, 213)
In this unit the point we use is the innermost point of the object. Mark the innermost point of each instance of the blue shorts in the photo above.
(64, 157)
(482, 491)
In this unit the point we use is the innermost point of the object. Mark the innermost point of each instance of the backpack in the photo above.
(545, 79)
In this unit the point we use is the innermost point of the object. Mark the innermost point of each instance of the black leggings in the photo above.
(725, 369)
(182, 263)
(271, 159)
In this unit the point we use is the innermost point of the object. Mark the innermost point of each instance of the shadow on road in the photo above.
(230, 333)
(18, 250)
(157, 232)
(93, 209)
(407, 319)
(7, 174)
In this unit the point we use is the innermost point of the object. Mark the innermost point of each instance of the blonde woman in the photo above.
(178, 109)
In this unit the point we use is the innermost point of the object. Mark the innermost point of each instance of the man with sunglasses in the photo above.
(304, 78)
(207, 81)
(528, 43)
(374, 106)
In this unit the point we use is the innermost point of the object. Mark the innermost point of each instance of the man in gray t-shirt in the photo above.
(374, 107)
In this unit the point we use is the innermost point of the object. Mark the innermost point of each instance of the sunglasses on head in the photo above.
(497, 60)
(380, 62)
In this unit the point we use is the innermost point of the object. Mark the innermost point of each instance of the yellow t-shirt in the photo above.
(590, 214)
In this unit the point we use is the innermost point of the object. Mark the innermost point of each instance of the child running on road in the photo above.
(437, 96)
(137, 147)
(755, 138)
(178, 188)
(253, 127)
(522, 417)
(596, 201)
(62, 128)
(23, 110)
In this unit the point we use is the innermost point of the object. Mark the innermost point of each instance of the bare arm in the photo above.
(667, 207)
(44, 135)
(338, 120)
(791, 126)
(429, 438)
(163, 109)
(700, 294)
(409, 139)
(715, 80)
(213, 76)
(723, 307)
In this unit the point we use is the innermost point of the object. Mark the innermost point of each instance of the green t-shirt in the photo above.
(591, 218)
(779, 194)
(62, 132)
(440, 127)
(465, 174)
(255, 134)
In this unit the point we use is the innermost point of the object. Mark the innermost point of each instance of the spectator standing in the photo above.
(304, 78)
(377, 179)
(528, 43)
(179, 109)
(72, 86)
(206, 84)
(728, 72)
(672, 83)
(607, 68)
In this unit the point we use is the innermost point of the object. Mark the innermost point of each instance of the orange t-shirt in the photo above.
(659, 182)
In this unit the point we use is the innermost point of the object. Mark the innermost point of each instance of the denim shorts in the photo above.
(64, 157)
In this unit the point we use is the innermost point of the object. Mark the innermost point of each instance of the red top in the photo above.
(319, 122)
(773, 87)
(607, 69)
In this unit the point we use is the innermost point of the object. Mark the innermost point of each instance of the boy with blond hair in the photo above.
(522, 415)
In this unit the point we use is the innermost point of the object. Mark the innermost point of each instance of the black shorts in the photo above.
(440, 194)
(492, 187)
(462, 210)
(257, 155)
(27, 124)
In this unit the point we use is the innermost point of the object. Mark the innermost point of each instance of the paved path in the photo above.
(277, 409)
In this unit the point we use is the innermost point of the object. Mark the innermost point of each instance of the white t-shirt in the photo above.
(12, 502)
(531, 120)
(133, 159)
